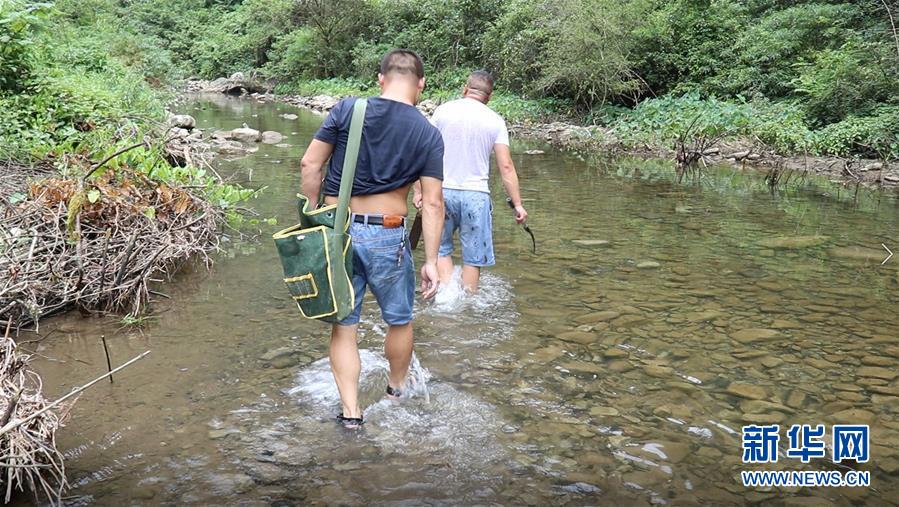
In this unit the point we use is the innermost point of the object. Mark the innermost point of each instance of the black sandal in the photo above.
(393, 392)
(350, 423)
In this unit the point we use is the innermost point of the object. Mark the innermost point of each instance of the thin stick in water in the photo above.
(108, 362)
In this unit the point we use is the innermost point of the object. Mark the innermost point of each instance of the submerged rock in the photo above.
(604, 411)
(755, 335)
(591, 242)
(648, 265)
(748, 391)
(288, 116)
(272, 137)
(794, 242)
(857, 253)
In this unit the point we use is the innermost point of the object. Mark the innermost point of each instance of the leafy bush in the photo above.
(590, 59)
(765, 53)
(18, 22)
(845, 81)
(876, 135)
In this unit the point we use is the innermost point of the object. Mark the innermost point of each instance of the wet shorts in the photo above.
(469, 212)
(382, 263)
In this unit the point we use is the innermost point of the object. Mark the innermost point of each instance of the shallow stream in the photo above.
(615, 367)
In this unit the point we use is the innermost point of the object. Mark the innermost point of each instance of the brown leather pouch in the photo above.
(393, 221)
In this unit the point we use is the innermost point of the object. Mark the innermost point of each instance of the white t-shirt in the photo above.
(469, 129)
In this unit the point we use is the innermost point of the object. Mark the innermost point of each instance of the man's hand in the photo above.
(521, 214)
(311, 165)
(417, 200)
(429, 280)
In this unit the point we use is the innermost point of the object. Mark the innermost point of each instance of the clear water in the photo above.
(582, 375)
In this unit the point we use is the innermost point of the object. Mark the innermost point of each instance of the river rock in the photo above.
(592, 318)
(534, 152)
(877, 372)
(230, 148)
(226, 485)
(878, 361)
(591, 242)
(766, 418)
(794, 242)
(284, 145)
(246, 134)
(288, 116)
(858, 253)
(221, 135)
(183, 121)
(580, 337)
(762, 407)
(748, 391)
(619, 366)
(854, 416)
(785, 324)
(772, 362)
(604, 411)
(222, 433)
(272, 137)
(658, 371)
(648, 265)
(582, 366)
(755, 335)
(704, 316)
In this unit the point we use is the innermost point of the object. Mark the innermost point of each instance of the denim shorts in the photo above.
(469, 212)
(382, 263)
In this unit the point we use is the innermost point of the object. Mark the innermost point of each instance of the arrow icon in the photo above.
(889, 256)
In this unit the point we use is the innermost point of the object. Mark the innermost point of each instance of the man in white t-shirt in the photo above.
(471, 131)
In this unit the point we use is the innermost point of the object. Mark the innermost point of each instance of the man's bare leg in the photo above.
(345, 365)
(471, 275)
(398, 349)
(445, 269)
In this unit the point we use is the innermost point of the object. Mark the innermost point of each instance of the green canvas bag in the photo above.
(316, 253)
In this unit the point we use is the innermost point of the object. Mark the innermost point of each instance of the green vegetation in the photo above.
(76, 86)
(805, 76)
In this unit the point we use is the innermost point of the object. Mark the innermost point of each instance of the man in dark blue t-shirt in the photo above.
(399, 147)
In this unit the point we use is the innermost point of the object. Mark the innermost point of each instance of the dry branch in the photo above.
(98, 243)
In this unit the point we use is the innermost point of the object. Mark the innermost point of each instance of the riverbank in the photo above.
(734, 150)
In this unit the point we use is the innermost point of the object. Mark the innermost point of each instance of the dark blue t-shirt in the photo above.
(399, 145)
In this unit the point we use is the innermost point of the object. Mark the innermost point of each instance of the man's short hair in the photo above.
(402, 61)
(481, 81)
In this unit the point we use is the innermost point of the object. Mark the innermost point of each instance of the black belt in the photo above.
(388, 221)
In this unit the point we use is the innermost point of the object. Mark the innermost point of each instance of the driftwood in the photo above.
(29, 459)
(96, 244)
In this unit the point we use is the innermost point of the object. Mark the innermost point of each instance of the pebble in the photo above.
(648, 265)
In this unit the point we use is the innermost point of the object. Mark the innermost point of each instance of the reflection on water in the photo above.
(615, 367)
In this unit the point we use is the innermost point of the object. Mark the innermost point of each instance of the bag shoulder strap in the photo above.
(348, 174)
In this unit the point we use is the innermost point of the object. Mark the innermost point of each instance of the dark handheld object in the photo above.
(415, 233)
(524, 226)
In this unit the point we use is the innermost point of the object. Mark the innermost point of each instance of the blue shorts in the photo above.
(382, 263)
(469, 212)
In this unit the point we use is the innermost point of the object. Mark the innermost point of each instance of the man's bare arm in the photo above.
(432, 229)
(311, 166)
(510, 179)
